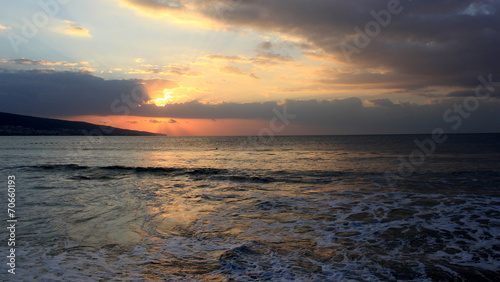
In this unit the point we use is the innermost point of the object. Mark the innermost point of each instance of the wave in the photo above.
(487, 179)
(83, 172)
(138, 169)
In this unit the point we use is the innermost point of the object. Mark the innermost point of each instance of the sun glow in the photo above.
(169, 96)
(167, 99)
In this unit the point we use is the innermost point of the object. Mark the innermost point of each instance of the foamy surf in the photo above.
(181, 220)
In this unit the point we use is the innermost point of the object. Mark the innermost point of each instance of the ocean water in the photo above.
(306, 208)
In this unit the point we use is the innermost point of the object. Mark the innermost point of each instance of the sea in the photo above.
(276, 208)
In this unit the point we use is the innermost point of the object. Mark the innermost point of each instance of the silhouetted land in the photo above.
(12, 124)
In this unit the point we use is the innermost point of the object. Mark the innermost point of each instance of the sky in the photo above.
(255, 67)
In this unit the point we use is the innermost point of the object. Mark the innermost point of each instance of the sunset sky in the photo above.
(236, 67)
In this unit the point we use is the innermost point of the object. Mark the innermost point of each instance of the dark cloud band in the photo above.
(52, 94)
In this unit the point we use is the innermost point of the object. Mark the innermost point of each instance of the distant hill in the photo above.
(12, 124)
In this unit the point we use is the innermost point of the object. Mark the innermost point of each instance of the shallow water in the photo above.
(242, 208)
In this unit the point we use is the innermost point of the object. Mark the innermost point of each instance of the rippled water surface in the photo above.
(244, 209)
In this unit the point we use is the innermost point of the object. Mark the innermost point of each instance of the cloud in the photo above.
(428, 95)
(222, 58)
(384, 103)
(52, 94)
(236, 71)
(461, 93)
(72, 28)
(266, 52)
(266, 45)
(158, 6)
(181, 11)
(23, 61)
(87, 69)
(177, 70)
(448, 43)
(342, 116)
(271, 58)
(262, 58)
(65, 93)
(472, 92)
(2, 27)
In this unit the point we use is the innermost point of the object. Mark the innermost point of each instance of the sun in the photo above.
(169, 96)
(167, 99)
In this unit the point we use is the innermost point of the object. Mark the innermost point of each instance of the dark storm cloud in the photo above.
(385, 103)
(347, 116)
(439, 43)
(433, 43)
(470, 93)
(428, 95)
(52, 93)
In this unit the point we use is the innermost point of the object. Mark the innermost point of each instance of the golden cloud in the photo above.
(87, 69)
(196, 13)
(72, 28)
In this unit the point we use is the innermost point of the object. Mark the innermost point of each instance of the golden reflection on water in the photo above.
(207, 209)
(244, 158)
